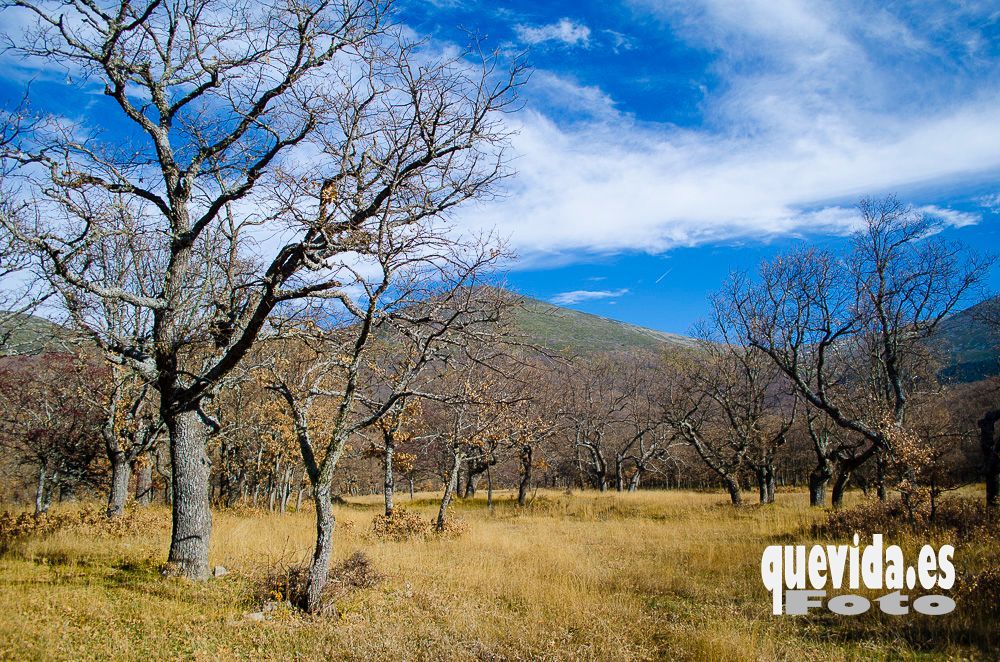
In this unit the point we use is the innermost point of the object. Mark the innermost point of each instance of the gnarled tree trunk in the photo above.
(733, 486)
(121, 474)
(449, 490)
(192, 517)
(765, 483)
(319, 569)
(471, 481)
(143, 481)
(839, 487)
(818, 480)
(388, 483)
(522, 489)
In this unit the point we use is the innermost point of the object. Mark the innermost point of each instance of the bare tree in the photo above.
(20, 290)
(46, 424)
(847, 330)
(423, 310)
(313, 121)
(839, 453)
(395, 428)
(475, 414)
(731, 405)
(537, 422)
(130, 428)
(595, 397)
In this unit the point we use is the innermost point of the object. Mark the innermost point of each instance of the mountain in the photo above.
(968, 344)
(576, 333)
(29, 334)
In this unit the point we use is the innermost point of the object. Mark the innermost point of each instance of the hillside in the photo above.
(968, 345)
(30, 334)
(576, 333)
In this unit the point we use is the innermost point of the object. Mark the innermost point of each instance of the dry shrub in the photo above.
(289, 583)
(964, 518)
(355, 573)
(16, 528)
(402, 525)
(980, 592)
(281, 583)
(246, 510)
(454, 527)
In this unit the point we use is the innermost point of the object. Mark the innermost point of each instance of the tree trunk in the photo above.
(388, 483)
(410, 479)
(192, 517)
(121, 473)
(319, 569)
(144, 482)
(40, 502)
(633, 483)
(734, 491)
(489, 488)
(619, 475)
(286, 492)
(470, 484)
(818, 480)
(459, 483)
(272, 495)
(52, 484)
(765, 483)
(522, 489)
(448, 491)
(880, 477)
(839, 487)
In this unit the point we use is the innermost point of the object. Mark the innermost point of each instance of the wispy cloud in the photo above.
(576, 296)
(569, 98)
(952, 217)
(817, 106)
(991, 202)
(564, 31)
(619, 41)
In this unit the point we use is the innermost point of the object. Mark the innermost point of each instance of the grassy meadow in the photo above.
(652, 575)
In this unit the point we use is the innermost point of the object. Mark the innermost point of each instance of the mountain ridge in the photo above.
(966, 343)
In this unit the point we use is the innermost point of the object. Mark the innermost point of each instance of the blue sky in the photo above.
(663, 143)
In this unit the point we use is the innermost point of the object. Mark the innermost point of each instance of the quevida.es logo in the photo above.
(799, 578)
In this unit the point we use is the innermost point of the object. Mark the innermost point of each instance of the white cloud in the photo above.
(816, 109)
(612, 186)
(619, 41)
(991, 202)
(951, 217)
(555, 91)
(576, 296)
(565, 31)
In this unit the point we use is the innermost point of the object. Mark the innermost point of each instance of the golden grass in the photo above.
(653, 575)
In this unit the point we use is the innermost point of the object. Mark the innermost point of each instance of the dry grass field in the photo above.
(653, 575)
